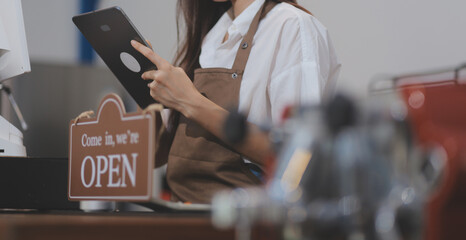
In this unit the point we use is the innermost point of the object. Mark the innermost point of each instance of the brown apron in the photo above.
(200, 164)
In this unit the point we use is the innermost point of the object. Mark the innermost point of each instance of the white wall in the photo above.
(49, 30)
(371, 36)
(52, 36)
(374, 37)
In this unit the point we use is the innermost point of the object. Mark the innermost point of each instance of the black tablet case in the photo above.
(109, 45)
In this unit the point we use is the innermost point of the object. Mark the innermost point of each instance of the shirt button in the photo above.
(233, 27)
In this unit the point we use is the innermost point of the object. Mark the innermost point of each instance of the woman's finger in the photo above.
(152, 85)
(148, 42)
(151, 55)
(149, 75)
(152, 94)
(156, 75)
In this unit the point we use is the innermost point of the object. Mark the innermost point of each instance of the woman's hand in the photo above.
(173, 88)
(170, 86)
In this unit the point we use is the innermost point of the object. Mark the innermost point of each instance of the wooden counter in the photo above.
(113, 226)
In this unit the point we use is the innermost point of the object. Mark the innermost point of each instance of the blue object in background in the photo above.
(86, 52)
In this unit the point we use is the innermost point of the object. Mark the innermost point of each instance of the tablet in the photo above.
(109, 31)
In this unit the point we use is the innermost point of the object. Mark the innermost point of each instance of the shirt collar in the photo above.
(244, 20)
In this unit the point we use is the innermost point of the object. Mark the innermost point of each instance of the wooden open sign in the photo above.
(111, 157)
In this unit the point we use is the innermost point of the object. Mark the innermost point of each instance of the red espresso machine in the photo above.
(436, 104)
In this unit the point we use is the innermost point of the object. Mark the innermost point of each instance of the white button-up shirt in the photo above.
(292, 59)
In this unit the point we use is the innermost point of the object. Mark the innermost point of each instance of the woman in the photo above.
(258, 56)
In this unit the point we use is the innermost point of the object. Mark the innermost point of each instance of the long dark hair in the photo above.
(199, 17)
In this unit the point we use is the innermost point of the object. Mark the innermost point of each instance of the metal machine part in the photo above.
(11, 138)
(345, 170)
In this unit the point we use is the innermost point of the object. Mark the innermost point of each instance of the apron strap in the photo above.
(245, 46)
